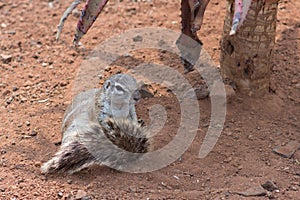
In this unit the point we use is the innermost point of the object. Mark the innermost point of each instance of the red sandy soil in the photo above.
(41, 68)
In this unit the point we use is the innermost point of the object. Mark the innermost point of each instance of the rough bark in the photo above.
(246, 56)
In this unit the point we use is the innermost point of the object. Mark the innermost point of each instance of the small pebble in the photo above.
(270, 186)
(81, 194)
(6, 58)
(37, 164)
(3, 25)
(60, 194)
(138, 38)
(15, 88)
(32, 133)
(293, 188)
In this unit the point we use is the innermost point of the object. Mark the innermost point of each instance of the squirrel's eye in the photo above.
(119, 88)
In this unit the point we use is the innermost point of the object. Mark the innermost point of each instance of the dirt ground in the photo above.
(37, 75)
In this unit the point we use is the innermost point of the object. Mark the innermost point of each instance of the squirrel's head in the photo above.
(122, 88)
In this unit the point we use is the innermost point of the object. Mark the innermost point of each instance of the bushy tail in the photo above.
(71, 158)
(113, 145)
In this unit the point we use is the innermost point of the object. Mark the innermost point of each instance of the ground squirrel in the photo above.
(101, 127)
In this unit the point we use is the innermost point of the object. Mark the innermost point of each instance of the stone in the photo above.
(63, 83)
(202, 92)
(199, 92)
(3, 25)
(137, 38)
(288, 150)
(294, 81)
(255, 191)
(60, 194)
(15, 89)
(81, 195)
(6, 58)
(293, 188)
(228, 160)
(37, 164)
(270, 186)
(32, 133)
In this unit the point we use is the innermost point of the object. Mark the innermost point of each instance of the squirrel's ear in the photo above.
(107, 84)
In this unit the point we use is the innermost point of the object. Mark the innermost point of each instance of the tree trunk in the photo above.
(246, 57)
